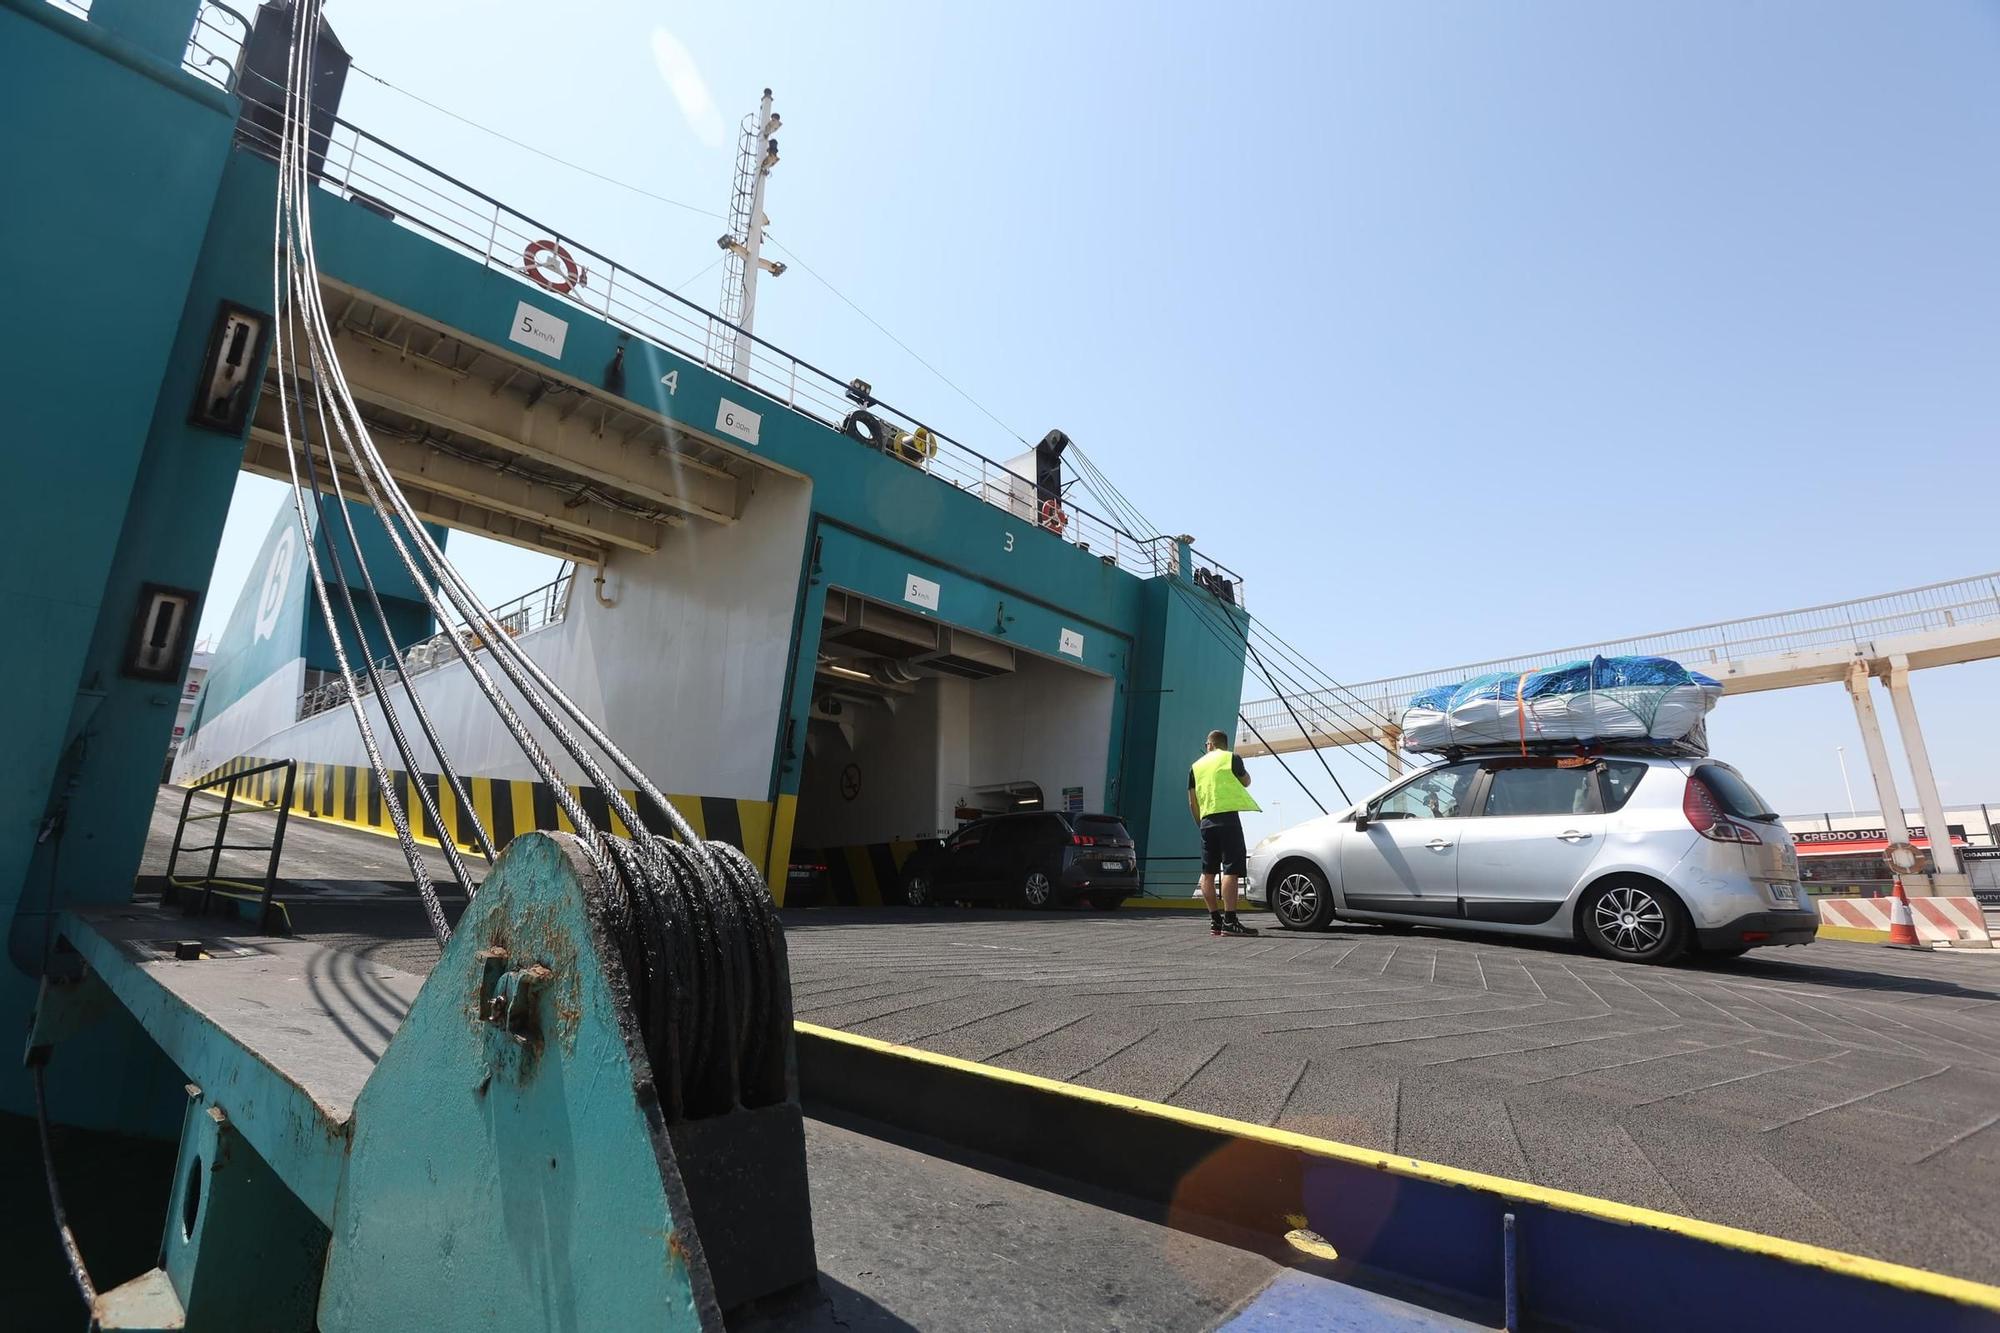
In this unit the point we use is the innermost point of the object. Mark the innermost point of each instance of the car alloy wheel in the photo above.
(1037, 890)
(1630, 919)
(918, 891)
(1296, 899)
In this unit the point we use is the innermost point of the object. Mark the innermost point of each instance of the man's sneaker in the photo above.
(1231, 926)
(1215, 924)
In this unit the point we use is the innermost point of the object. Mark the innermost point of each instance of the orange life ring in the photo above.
(543, 258)
(1053, 517)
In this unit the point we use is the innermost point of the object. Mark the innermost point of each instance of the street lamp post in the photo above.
(1840, 753)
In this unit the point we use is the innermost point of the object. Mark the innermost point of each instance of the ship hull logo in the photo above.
(277, 577)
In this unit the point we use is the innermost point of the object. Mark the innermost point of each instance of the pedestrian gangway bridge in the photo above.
(1887, 636)
(1938, 624)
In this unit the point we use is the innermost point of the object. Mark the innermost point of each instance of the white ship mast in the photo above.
(757, 153)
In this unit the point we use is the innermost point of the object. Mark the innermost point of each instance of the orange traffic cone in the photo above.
(1902, 925)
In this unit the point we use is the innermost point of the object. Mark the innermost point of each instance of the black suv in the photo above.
(1042, 859)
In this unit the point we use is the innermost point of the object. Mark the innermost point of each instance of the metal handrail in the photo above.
(215, 46)
(210, 882)
(538, 609)
(213, 49)
(1950, 604)
(367, 168)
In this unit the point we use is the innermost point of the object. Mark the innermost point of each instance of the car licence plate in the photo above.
(1113, 865)
(1785, 893)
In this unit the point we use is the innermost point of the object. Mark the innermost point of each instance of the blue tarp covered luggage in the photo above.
(1604, 701)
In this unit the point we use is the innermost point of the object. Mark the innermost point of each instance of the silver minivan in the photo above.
(1641, 857)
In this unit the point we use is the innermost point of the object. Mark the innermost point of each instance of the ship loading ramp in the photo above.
(594, 1110)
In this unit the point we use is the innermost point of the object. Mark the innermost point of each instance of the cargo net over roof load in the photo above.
(1650, 702)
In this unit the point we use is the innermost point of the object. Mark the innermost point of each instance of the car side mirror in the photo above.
(1361, 819)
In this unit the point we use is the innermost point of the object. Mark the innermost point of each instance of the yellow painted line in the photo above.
(1853, 934)
(777, 866)
(1625, 1214)
(522, 795)
(690, 808)
(755, 818)
(341, 774)
(861, 870)
(1178, 903)
(482, 803)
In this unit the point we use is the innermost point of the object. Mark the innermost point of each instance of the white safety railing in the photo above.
(545, 606)
(383, 178)
(1856, 623)
(216, 45)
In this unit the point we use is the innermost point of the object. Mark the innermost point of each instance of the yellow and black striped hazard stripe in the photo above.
(351, 795)
(862, 875)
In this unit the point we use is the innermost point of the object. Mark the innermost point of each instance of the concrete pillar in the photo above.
(1391, 737)
(1944, 861)
(1878, 758)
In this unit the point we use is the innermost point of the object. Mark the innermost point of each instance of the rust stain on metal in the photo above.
(541, 934)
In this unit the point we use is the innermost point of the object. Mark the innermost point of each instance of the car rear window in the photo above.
(1738, 797)
(1620, 778)
(1104, 828)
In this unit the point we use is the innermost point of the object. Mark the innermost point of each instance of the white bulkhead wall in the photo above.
(687, 668)
(891, 762)
(949, 742)
(1045, 723)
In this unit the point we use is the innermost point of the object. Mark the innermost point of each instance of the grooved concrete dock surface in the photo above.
(1842, 1094)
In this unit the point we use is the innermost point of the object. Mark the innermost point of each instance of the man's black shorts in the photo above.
(1222, 844)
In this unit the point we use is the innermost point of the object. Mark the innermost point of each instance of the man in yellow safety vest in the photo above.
(1218, 793)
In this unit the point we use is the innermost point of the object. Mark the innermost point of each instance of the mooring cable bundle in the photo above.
(694, 924)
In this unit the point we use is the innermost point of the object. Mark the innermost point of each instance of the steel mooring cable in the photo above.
(694, 926)
(71, 1252)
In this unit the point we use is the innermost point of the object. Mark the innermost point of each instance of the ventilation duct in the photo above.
(970, 656)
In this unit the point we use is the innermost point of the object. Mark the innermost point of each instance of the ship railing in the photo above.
(215, 47)
(375, 174)
(215, 43)
(545, 606)
(197, 893)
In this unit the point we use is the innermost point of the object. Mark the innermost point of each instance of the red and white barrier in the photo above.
(1953, 921)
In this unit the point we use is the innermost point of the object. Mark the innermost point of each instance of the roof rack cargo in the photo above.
(1688, 747)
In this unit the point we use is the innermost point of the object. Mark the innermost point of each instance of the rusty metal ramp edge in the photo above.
(1572, 1261)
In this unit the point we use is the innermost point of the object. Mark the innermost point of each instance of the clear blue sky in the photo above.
(1460, 330)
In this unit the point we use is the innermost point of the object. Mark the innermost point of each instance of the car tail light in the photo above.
(1703, 811)
(1082, 840)
(1755, 936)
